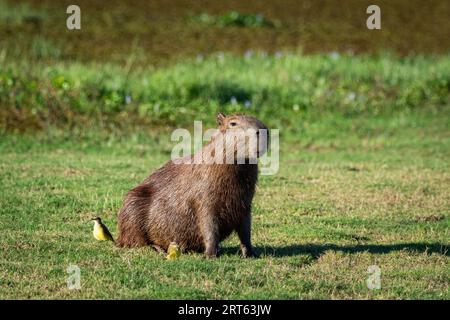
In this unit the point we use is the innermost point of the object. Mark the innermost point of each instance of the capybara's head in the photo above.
(245, 136)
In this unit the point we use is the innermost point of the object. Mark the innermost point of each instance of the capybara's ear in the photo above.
(220, 118)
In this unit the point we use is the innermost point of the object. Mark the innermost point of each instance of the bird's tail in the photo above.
(108, 234)
(110, 237)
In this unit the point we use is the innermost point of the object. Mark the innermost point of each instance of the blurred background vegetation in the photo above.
(165, 63)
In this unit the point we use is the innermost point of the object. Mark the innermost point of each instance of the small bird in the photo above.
(173, 252)
(100, 231)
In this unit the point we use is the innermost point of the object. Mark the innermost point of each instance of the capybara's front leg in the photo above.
(210, 233)
(244, 233)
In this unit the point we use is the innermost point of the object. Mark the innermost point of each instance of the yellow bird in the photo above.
(101, 232)
(173, 252)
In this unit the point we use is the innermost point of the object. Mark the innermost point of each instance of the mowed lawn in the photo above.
(350, 193)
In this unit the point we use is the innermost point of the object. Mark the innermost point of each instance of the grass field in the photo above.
(332, 211)
(354, 189)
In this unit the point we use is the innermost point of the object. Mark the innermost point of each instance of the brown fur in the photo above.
(195, 205)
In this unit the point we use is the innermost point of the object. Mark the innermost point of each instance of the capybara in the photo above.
(197, 204)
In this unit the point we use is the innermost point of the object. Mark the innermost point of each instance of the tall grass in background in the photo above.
(278, 88)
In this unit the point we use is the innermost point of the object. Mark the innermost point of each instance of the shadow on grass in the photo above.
(318, 249)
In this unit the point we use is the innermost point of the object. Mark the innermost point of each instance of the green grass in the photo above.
(351, 192)
(364, 173)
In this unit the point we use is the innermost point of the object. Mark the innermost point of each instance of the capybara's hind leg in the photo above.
(130, 236)
(133, 217)
(130, 231)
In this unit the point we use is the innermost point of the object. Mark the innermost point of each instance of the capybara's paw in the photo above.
(248, 253)
(210, 256)
(211, 253)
